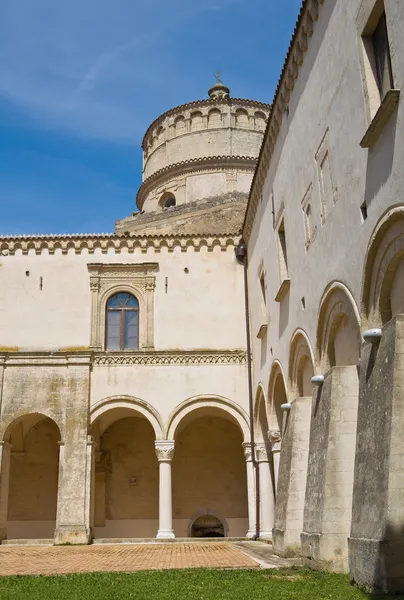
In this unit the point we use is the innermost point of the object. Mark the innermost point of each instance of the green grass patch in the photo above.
(196, 584)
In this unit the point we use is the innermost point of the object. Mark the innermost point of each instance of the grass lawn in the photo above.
(196, 584)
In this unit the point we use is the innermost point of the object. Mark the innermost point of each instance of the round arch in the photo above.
(208, 513)
(203, 404)
(31, 418)
(277, 394)
(134, 404)
(301, 364)
(337, 308)
(384, 254)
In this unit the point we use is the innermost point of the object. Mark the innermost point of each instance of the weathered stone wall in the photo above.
(328, 502)
(376, 543)
(290, 493)
(57, 387)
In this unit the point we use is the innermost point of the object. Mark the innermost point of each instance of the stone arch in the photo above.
(208, 512)
(383, 277)
(196, 120)
(207, 405)
(167, 200)
(259, 120)
(242, 119)
(301, 365)
(129, 404)
(30, 463)
(260, 416)
(27, 420)
(179, 124)
(277, 395)
(214, 118)
(338, 328)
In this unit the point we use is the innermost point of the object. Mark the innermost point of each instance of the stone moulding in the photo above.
(90, 243)
(309, 14)
(169, 357)
(193, 166)
(141, 357)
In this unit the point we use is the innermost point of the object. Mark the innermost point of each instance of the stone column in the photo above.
(149, 289)
(95, 343)
(165, 453)
(267, 500)
(5, 454)
(275, 439)
(89, 508)
(250, 490)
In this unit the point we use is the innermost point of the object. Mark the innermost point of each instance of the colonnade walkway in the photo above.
(58, 560)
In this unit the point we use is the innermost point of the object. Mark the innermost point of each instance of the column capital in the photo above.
(247, 450)
(164, 450)
(275, 437)
(262, 452)
(4, 444)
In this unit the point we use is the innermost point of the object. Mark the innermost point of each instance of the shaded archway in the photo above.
(383, 279)
(126, 473)
(209, 470)
(276, 396)
(33, 477)
(338, 330)
(208, 525)
(301, 365)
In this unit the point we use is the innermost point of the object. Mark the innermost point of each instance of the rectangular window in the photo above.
(309, 226)
(114, 330)
(328, 192)
(263, 298)
(131, 341)
(381, 49)
(283, 257)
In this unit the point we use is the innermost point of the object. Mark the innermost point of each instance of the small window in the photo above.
(381, 49)
(283, 257)
(122, 322)
(167, 200)
(263, 287)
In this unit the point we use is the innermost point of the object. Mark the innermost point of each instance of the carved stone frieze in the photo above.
(77, 244)
(262, 452)
(191, 357)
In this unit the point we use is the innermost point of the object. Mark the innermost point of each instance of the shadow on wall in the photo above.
(380, 161)
(389, 575)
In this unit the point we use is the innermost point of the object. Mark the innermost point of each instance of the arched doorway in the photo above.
(209, 475)
(207, 526)
(126, 475)
(33, 480)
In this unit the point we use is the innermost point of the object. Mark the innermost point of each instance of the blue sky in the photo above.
(81, 80)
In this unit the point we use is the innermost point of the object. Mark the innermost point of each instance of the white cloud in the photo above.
(92, 66)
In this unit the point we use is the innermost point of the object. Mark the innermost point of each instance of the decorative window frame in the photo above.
(321, 154)
(378, 111)
(310, 228)
(109, 279)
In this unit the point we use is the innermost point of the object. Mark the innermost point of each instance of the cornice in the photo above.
(298, 46)
(195, 165)
(105, 359)
(205, 102)
(106, 242)
(172, 357)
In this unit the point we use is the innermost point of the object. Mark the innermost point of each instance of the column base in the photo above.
(266, 535)
(72, 535)
(251, 533)
(165, 534)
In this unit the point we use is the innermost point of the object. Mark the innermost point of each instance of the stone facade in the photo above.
(324, 229)
(158, 440)
(122, 443)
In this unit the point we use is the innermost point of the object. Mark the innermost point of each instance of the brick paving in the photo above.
(49, 560)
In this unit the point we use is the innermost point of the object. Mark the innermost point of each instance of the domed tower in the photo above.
(200, 151)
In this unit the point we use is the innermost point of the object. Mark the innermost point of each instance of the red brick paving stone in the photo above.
(50, 560)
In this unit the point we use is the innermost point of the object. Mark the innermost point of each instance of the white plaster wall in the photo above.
(201, 309)
(328, 95)
(206, 185)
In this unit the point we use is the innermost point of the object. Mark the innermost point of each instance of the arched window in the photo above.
(167, 200)
(122, 322)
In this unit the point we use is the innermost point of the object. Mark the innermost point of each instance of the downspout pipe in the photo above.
(242, 258)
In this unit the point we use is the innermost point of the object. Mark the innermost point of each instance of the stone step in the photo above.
(38, 542)
(162, 541)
